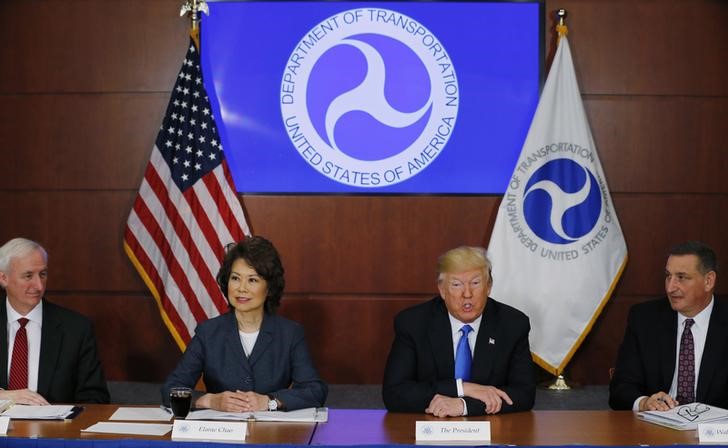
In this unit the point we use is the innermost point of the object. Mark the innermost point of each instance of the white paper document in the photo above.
(308, 415)
(141, 414)
(31, 412)
(142, 429)
(685, 417)
(4, 422)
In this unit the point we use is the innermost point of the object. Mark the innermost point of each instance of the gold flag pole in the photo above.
(559, 384)
(561, 29)
(193, 8)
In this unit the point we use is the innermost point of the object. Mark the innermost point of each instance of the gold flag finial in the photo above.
(193, 8)
(561, 27)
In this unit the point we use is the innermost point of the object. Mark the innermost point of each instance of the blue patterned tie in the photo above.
(463, 357)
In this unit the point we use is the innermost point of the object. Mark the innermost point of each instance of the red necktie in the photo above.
(19, 363)
(686, 366)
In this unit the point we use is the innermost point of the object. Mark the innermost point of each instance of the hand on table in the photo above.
(442, 406)
(492, 397)
(23, 396)
(658, 402)
(237, 401)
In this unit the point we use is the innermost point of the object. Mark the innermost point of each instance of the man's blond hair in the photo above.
(464, 258)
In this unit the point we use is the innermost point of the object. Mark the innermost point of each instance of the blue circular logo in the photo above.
(358, 109)
(562, 201)
(369, 97)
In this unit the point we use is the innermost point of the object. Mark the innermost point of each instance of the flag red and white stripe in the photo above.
(186, 210)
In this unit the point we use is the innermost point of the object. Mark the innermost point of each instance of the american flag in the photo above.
(186, 211)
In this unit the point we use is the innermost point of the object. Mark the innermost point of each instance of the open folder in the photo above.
(48, 412)
(300, 416)
(685, 417)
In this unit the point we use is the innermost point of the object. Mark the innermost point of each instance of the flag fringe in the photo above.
(556, 371)
(157, 298)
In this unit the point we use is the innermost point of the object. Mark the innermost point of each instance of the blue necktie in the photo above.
(463, 357)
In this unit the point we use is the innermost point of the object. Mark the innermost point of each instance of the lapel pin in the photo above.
(491, 341)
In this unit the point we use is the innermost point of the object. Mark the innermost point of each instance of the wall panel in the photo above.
(82, 92)
(647, 47)
(82, 232)
(82, 142)
(340, 244)
(660, 144)
(90, 45)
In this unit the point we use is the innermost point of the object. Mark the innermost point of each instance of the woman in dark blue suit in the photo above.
(250, 358)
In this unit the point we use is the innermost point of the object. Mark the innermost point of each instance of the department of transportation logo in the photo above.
(557, 204)
(369, 97)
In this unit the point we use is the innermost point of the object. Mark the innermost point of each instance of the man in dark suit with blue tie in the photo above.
(461, 353)
(675, 350)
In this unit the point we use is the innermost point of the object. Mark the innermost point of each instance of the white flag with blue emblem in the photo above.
(557, 247)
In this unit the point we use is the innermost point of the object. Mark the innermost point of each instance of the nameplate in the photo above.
(4, 421)
(713, 432)
(436, 431)
(202, 430)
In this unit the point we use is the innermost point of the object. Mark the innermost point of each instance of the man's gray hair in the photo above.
(18, 247)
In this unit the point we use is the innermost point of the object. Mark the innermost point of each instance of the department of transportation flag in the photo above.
(186, 210)
(557, 247)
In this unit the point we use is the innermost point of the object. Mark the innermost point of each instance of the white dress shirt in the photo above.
(455, 326)
(32, 328)
(248, 341)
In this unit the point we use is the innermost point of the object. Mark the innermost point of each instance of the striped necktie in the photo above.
(19, 363)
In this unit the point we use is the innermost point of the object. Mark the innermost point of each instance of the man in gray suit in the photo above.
(47, 352)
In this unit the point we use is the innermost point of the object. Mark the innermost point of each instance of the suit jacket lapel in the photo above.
(4, 346)
(714, 349)
(668, 346)
(440, 334)
(238, 362)
(51, 340)
(265, 338)
(485, 345)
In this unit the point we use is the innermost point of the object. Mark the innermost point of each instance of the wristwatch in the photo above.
(272, 403)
